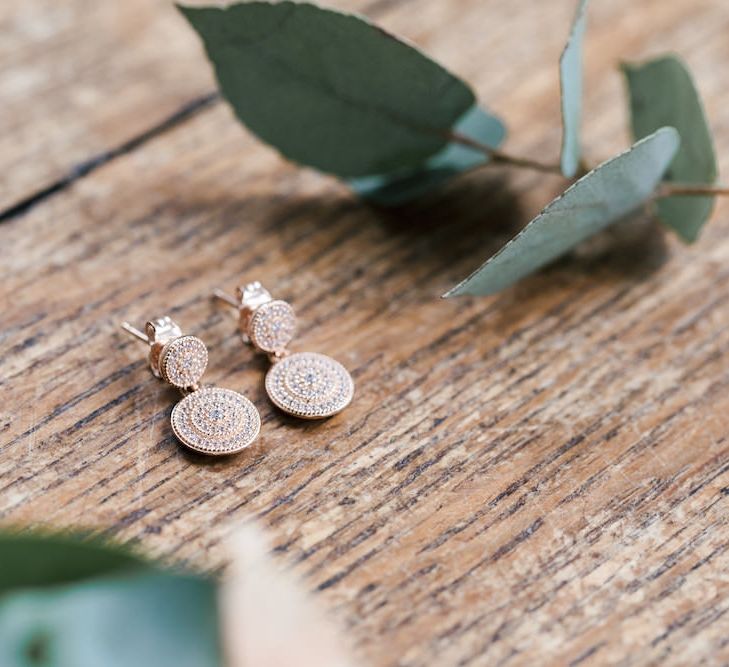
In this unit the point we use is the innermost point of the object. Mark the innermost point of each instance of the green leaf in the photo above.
(142, 620)
(71, 602)
(34, 559)
(605, 195)
(570, 73)
(662, 92)
(403, 186)
(328, 89)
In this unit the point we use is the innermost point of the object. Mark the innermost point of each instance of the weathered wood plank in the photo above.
(83, 80)
(539, 477)
(80, 78)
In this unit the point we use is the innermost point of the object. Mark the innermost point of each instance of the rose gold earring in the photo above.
(209, 420)
(304, 384)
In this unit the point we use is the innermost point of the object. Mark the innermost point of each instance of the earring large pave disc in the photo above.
(216, 421)
(309, 385)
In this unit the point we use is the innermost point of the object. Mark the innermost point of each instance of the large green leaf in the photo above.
(662, 92)
(606, 194)
(328, 89)
(398, 188)
(144, 620)
(570, 76)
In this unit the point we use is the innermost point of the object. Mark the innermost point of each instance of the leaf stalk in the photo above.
(499, 157)
(691, 190)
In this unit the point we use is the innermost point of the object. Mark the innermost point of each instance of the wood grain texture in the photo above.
(540, 477)
(81, 79)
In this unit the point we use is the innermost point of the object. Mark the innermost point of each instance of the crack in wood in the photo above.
(82, 169)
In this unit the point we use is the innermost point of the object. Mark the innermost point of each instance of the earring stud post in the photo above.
(134, 332)
(219, 294)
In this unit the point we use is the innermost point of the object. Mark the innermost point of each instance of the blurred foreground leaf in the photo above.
(662, 92)
(34, 559)
(270, 619)
(332, 91)
(570, 76)
(605, 195)
(69, 603)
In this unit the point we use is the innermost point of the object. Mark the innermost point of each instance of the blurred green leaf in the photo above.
(570, 72)
(144, 620)
(608, 193)
(662, 92)
(398, 188)
(328, 89)
(35, 559)
(81, 603)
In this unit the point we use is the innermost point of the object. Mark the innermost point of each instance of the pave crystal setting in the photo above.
(309, 385)
(272, 326)
(183, 361)
(214, 421)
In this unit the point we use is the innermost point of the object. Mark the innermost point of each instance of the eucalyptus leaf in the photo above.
(329, 89)
(403, 186)
(570, 75)
(605, 195)
(145, 620)
(662, 92)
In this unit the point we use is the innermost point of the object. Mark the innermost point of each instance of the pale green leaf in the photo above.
(662, 92)
(403, 186)
(328, 89)
(603, 196)
(570, 76)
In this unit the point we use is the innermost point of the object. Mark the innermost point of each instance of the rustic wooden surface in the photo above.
(541, 477)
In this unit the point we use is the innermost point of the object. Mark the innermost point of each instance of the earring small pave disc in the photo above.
(216, 421)
(309, 385)
(183, 361)
(272, 326)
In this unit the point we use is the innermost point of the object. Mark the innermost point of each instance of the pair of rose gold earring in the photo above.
(213, 420)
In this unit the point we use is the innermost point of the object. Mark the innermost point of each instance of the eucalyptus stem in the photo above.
(498, 157)
(665, 190)
(691, 190)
